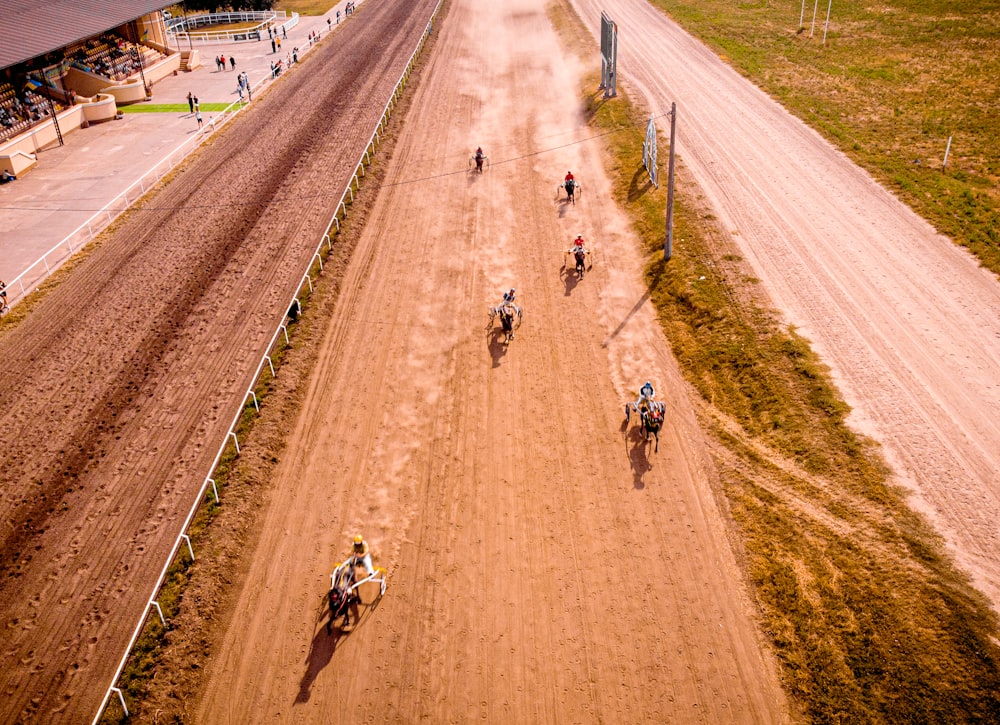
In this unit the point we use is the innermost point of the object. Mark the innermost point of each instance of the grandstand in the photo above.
(68, 63)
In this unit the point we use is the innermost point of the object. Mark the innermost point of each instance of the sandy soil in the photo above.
(909, 324)
(545, 564)
(119, 387)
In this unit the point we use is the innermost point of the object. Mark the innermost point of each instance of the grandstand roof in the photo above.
(29, 28)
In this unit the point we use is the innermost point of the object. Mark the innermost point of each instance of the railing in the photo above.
(186, 29)
(333, 226)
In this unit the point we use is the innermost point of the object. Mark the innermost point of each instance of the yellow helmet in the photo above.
(359, 540)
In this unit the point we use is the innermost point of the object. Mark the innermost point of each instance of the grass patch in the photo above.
(891, 84)
(171, 107)
(870, 621)
(305, 7)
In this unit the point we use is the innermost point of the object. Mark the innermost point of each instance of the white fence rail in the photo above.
(282, 330)
(186, 29)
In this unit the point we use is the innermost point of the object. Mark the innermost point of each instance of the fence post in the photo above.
(236, 442)
(159, 611)
(121, 699)
(253, 395)
(214, 489)
(190, 549)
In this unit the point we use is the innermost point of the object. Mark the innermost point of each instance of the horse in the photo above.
(510, 319)
(580, 255)
(342, 595)
(652, 421)
(570, 186)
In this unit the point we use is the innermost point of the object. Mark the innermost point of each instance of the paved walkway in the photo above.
(73, 182)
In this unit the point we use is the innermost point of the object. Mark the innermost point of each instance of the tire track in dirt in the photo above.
(146, 350)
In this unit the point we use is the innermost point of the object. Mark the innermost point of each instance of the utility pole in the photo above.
(668, 244)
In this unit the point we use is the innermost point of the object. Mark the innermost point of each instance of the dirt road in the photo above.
(545, 564)
(908, 323)
(119, 388)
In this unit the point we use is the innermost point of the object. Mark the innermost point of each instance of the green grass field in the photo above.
(305, 7)
(171, 108)
(893, 81)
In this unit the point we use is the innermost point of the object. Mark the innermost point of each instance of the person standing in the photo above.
(196, 103)
(274, 48)
(232, 62)
(278, 41)
(283, 33)
(191, 101)
(197, 115)
(329, 23)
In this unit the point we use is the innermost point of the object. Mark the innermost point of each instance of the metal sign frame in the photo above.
(609, 56)
(649, 153)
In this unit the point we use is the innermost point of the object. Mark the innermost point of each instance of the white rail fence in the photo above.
(185, 29)
(281, 331)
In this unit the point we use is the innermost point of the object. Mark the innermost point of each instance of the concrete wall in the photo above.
(17, 162)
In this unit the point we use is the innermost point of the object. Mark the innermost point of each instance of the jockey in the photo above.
(361, 555)
(646, 395)
(479, 152)
(569, 177)
(508, 298)
(578, 246)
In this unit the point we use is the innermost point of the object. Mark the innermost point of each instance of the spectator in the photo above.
(274, 48)
(283, 33)
(190, 101)
(197, 115)
(232, 62)
(329, 23)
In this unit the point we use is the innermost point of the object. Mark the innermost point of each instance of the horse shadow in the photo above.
(496, 342)
(570, 278)
(321, 650)
(636, 446)
(325, 642)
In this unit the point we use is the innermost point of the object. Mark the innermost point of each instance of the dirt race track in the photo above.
(545, 564)
(120, 387)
